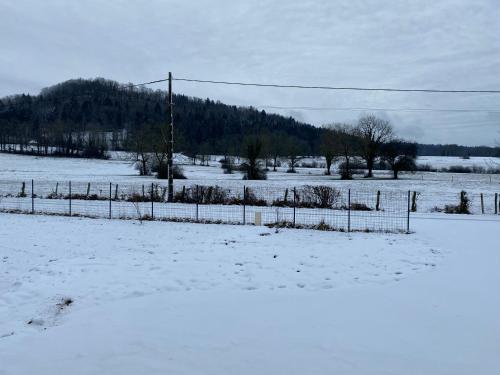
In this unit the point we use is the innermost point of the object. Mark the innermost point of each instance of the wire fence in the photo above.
(315, 207)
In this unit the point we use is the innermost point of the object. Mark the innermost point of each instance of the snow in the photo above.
(179, 298)
(436, 189)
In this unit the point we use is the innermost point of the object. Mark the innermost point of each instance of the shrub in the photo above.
(355, 167)
(462, 208)
(287, 201)
(458, 169)
(252, 200)
(212, 195)
(318, 196)
(478, 169)
(425, 168)
(312, 164)
(54, 195)
(227, 164)
(355, 206)
(178, 173)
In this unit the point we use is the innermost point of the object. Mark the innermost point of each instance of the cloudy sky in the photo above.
(446, 44)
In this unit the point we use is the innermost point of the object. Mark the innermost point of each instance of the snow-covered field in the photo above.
(172, 298)
(436, 189)
(86, 296)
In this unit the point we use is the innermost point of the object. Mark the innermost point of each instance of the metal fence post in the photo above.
(32, 197)
(152, 202)
(294, 203)
(244, 203)
(408, 215)
(197, 201)
(349, 210)
(70, 198)
(110, 198)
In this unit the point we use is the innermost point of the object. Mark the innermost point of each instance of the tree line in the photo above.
(370, 144)
(69, 117)
(86, 118)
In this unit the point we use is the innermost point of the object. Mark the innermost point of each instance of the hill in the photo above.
(85, 117)
(98, 105)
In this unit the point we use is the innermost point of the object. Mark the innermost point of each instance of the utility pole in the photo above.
(170, 146)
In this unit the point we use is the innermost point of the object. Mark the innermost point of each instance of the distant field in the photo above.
(435, 188)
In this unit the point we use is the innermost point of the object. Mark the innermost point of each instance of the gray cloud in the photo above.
(424, 44)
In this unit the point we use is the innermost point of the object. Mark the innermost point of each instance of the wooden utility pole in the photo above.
(170, 146)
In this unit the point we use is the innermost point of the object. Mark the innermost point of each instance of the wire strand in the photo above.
(336, 88)
(377, 109)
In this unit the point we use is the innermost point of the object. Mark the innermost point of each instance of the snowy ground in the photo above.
(157, 298)
(436, 189)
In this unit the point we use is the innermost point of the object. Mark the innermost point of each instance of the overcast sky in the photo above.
(446, 44)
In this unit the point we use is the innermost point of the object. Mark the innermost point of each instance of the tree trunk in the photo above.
(369, 165)
(328, 166)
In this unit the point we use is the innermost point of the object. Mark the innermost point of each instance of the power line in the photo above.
(377, 109)
(336, 88)
(148, 83)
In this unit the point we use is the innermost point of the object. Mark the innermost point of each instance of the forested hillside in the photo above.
(86, 117)
(65, 114)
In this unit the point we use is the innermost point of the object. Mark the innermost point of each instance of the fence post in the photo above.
(377, 206)
(110, 198)
(408, 215)
(244, 204)
(197, 201)
(482, 203)
(32, 197)
(70, 198)
(414, 202)
(294, 203)
(496, 203)
(143, 195)
(152, 202)
(349, 210)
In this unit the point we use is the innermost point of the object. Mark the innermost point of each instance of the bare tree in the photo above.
(252, 168)
(139, 142)
(328, 147)
(347, 147)
(373, 132)
(400, 156)
(294, 149)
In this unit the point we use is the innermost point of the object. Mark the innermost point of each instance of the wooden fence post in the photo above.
(482, 203)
